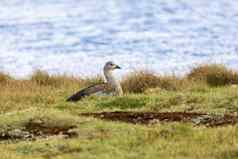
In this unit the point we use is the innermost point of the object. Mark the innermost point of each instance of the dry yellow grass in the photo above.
(140, 81)
(214, 75)
(42, 78)
(4, 78)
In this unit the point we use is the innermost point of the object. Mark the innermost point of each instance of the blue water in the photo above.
(77, 37)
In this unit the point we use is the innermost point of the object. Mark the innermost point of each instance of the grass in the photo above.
(42, 99)
(214, 75)
(4, 78)
(140, 81)
(42, 78)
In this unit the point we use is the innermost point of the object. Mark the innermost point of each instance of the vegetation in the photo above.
(42, 78)
(4, 78)
(214, 75)
(37, 123)
(138, 82)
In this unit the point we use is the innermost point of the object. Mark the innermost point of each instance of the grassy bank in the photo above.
(36, 122)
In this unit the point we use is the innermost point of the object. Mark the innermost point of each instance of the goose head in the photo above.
(110, 66)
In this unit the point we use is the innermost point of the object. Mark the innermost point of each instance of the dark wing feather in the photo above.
(88, 91)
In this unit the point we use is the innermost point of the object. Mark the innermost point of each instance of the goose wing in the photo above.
(102, 87)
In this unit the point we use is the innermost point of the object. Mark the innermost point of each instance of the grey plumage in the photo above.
(111, 86)
(102, 87)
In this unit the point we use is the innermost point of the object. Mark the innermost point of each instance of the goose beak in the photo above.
(117, 67)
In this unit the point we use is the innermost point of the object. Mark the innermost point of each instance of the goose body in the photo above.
(111, 86)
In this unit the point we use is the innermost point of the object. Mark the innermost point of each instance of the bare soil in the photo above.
(210, 120)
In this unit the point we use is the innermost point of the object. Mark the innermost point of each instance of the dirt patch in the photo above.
(210, 120)
(38, 128)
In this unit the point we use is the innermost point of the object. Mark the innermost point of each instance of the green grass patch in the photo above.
(126, 102)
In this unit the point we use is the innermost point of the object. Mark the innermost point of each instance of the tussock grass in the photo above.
(4, 78)
(42, 78)
(93, 80)
(214, 75)
(140, 81)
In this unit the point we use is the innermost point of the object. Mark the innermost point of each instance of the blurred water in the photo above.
(78, 36)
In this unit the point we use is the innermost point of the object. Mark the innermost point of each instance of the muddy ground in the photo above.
(210, 120)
